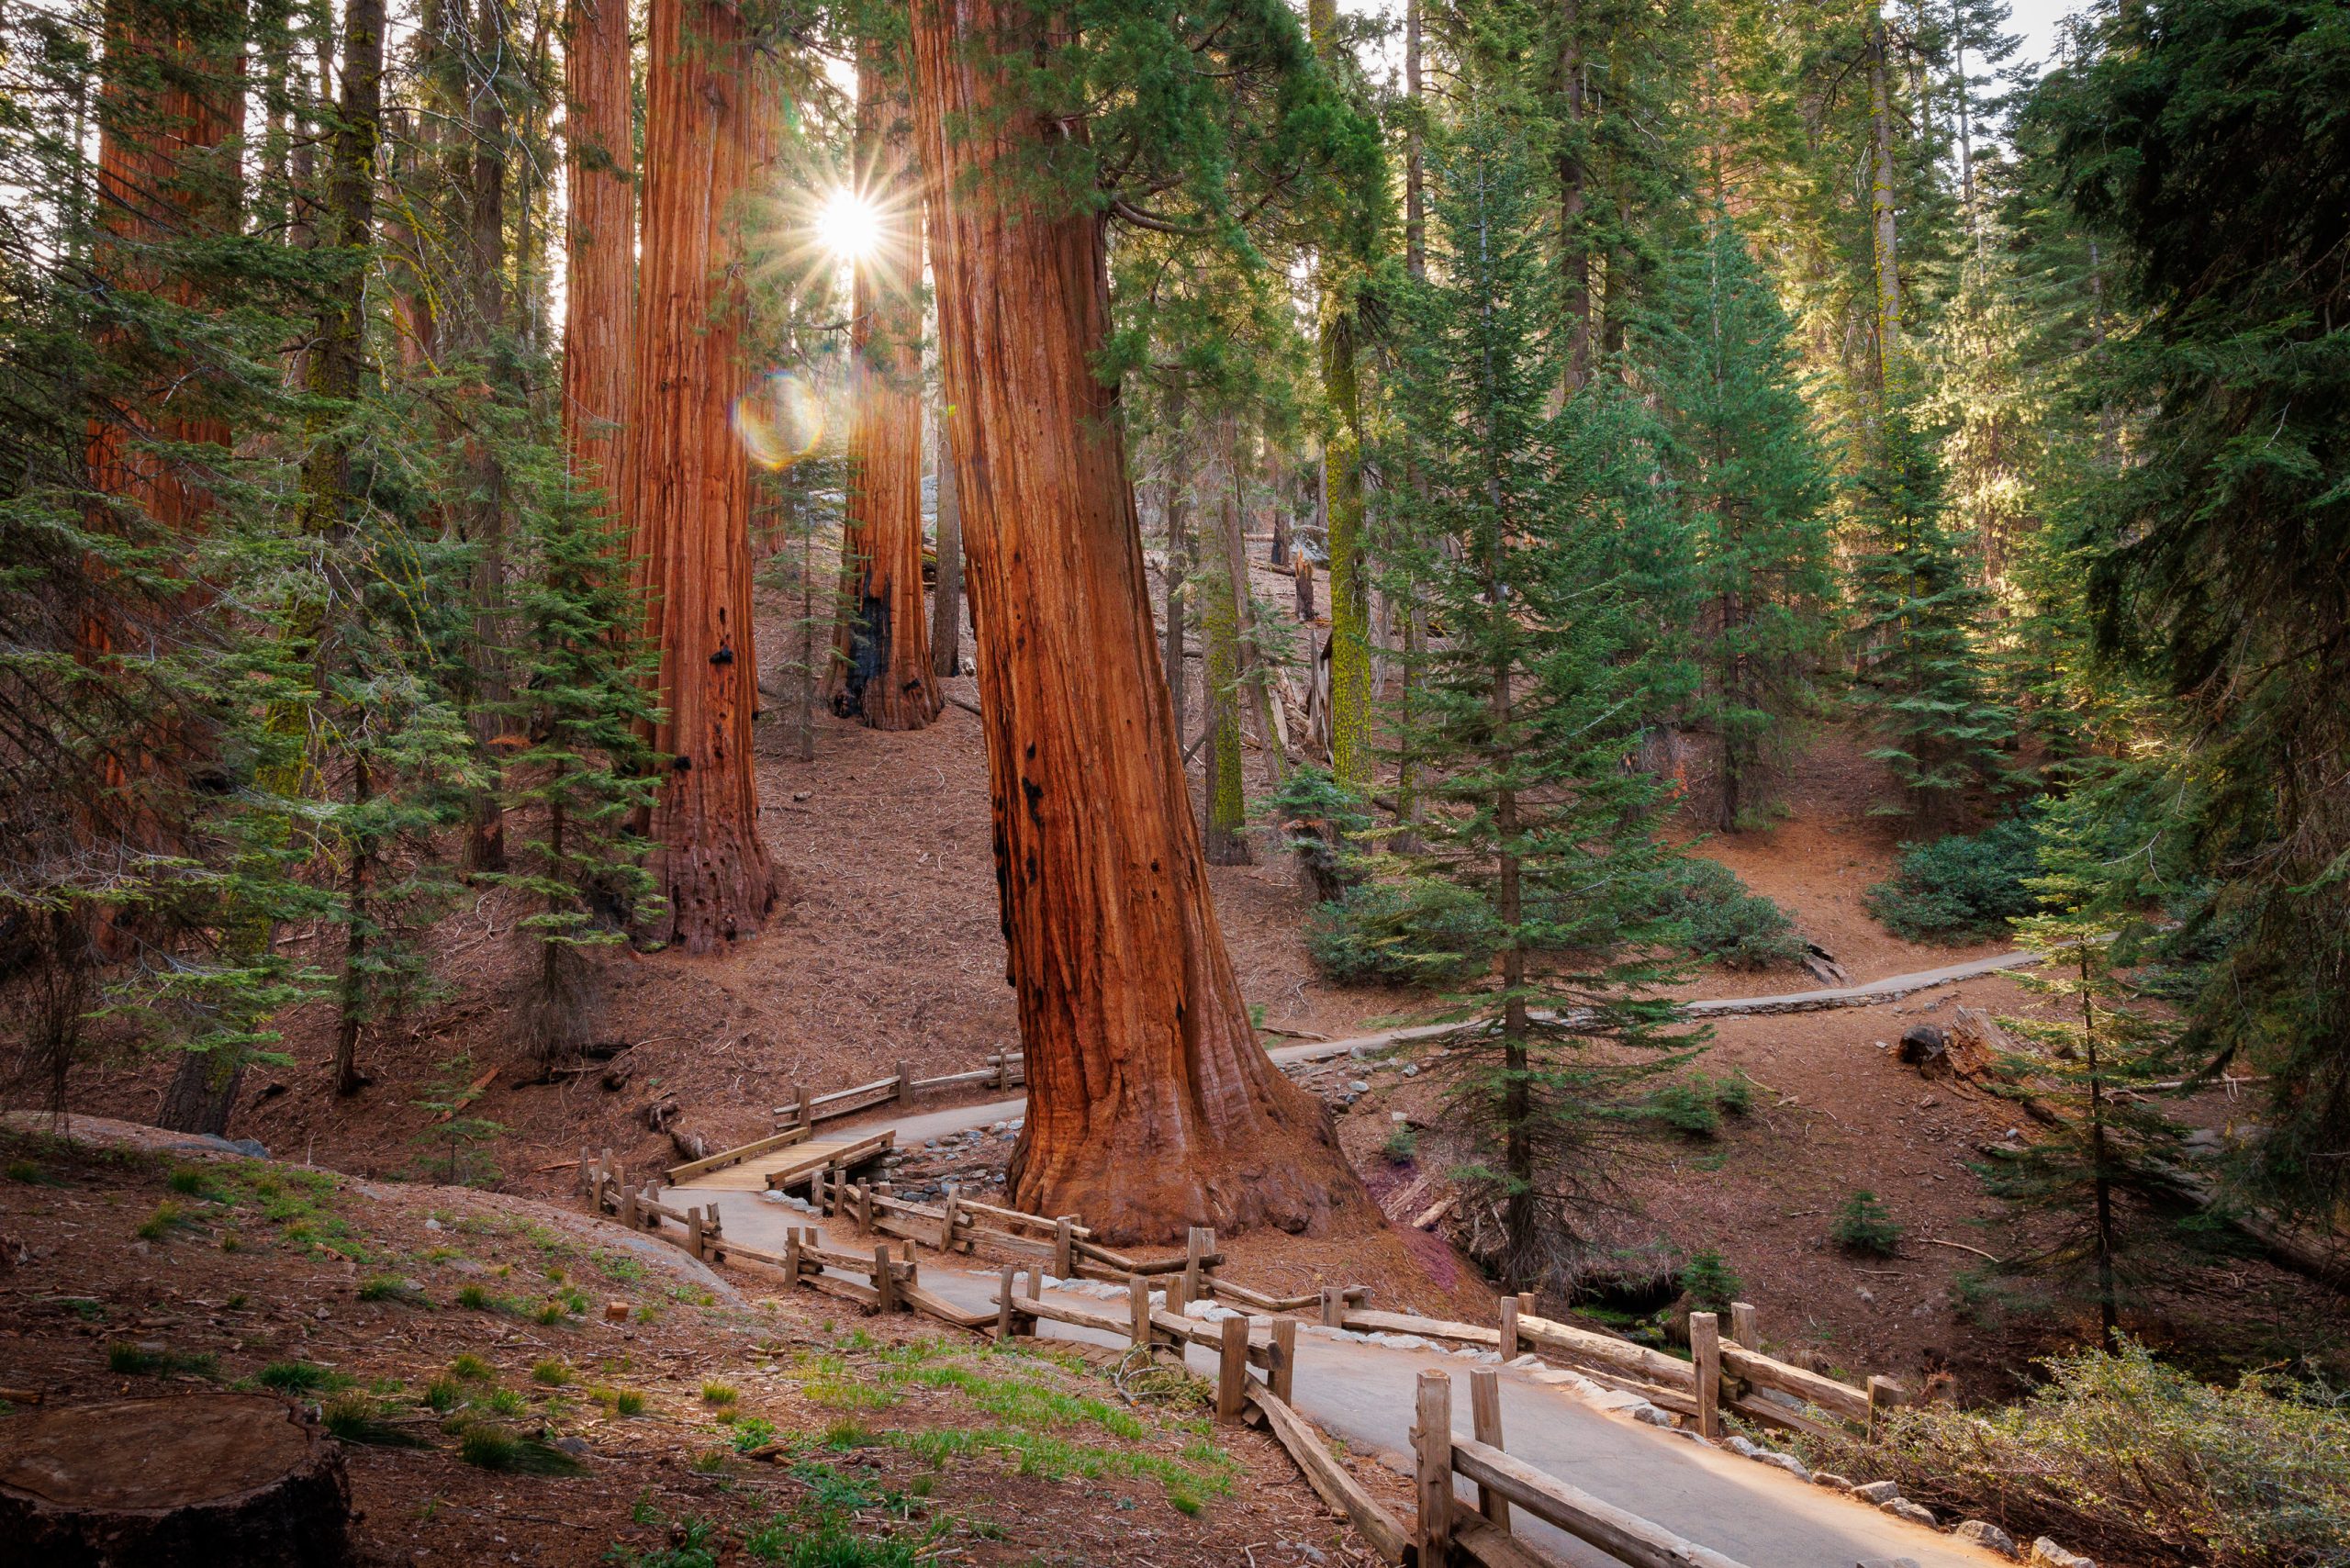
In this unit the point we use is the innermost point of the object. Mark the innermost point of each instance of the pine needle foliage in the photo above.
(1526, 705)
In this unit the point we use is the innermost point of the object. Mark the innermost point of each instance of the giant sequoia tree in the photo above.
(884, 674)
(690, 477)
(1151, 1104)
(599, 294)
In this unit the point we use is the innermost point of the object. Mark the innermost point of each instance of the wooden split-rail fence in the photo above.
(1005, 1069)
(1256, 1356)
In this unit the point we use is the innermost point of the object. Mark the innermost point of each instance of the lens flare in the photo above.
(779, 421)
(849, 225)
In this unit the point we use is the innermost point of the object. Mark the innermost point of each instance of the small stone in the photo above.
(1744, 1447)
(432, 1224)
(1878, 1491)
(575, 1447)
(1830, 1479)
(1411, 1070)
(1357, 1086)
(1398, 1117)
(1866, 1294)
(2046, 1553)
(999, 1126)
(1986, 1535)
(1655, 1415)
(1786, 1461)
(1903, 1509)
(1886, 1563)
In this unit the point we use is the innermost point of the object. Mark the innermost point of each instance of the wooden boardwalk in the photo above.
(786, 1167)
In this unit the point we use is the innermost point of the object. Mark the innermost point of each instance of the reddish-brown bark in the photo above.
(882, 651)
(599, 311)
(690, 478)
(161, 181)
(1151, 1104)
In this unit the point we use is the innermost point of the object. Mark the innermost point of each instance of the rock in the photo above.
(431, 1224)
(1866, 1294)
(999, 1126)
(1986, 1535)
(1786, 1461)
(1655, 1415)
(1830, 1479)
(1744, 1447)
(1903, 1509)
(251, 1146)
(1886, 1563)
(1878, 1491)
(1923, 1047)
(2046, 1553)
(575, 1447)
(1411, 1070)
(1357, 1086)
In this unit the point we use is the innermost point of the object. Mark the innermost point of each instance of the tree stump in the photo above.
(200, 1481)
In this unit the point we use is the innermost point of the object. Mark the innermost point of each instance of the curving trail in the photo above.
(1362, 1393)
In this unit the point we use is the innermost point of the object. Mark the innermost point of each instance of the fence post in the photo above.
(1232, 1370)
(865, 1204)
(1003, 1065)
(1706, 1350)
(1201, 1242)
(791, 1255)
(1064, 1248)
(1509, 1331)
(1883, 1393)
(1138, 1308)
(1432, 1448)
(1486, 1417)
(885, 1284)
(628, 1206)
(693, 1232)
(1742, 1327)
(1284, 1369)
(1003, 1303)
(1334, 1307)
(905, 1083)
(946, 1224)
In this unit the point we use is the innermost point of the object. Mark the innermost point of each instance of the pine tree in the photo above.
(2095, 1189)
(583, 706)
(1752, 478)
(1525, 707)
(1921, 680)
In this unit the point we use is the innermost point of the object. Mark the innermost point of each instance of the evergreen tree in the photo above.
(1921, 678)
(1751, 479)
(2203, 143)
(1527, 703)
(2094, 1191)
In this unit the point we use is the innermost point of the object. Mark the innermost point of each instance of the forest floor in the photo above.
(132, 1267)
(890, 952)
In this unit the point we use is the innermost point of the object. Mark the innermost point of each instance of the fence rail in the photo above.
(1005, 1069)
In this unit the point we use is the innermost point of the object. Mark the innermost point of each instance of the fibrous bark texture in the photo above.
(691, 478)
(599, 311)
(1152, 1107)
(884, 641)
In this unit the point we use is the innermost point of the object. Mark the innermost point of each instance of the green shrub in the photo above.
(444, 1395)
(1319, 818)
(551, 1372)
(391, 1287)
(296, 1377)
(2121, 1456)
(1416, 931)
(472, 1368)
(1695, 1104)
(1708, 1282)
(716, 1393)
(188, 1181)
(1864, 1225)
(494, 1447)
(1965, 886)
(752, 1432)
(1403, 1145)
(476, 1298)
(354, 1418)
(1723, 921)
(628, 1402)
(129, 1360)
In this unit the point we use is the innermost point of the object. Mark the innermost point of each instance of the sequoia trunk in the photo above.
(1152, 1107)
(691, 478)
(883, 643)
(599, 308)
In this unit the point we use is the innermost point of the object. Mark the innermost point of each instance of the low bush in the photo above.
(1863, 1225)
(1965, 886)
(1415, 932)
(2121, 1456)
(1708, 1281)
(1724, 921)
(1695, 1104)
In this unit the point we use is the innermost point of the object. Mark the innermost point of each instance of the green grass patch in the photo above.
(132, 1360)
(551, 1372)
(391, 1287)
(494, 1447)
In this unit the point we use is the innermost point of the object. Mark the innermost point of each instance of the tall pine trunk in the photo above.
(1152, 1105)
(1351, 748)
(1224, 584)
(1887, 273)
(883, 642)
(947, 598)
(599, 297)
(691, 478)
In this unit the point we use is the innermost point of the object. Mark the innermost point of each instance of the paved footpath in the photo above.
(1363, 1392)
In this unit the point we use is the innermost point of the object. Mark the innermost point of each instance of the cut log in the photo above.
(199, 1481)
